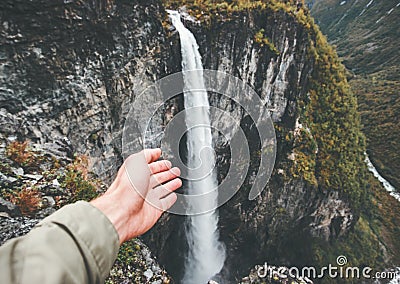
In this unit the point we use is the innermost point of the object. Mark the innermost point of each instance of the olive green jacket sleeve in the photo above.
(76, 244)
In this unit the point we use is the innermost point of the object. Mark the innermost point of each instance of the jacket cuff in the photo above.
(92, 229)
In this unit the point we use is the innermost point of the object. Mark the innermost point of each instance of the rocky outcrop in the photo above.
(71, 69)
(15, 227)
(9, 209)
(136, 264)
(270, 274)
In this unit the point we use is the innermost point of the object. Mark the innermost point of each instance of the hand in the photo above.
(136, 199)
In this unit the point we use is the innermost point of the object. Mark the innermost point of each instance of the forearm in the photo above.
(77, 244)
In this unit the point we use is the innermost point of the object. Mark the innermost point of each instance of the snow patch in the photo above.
(366, 7)
(38, 52)
(391, 10)
(342, 3)
(297, 128)
(380, 19)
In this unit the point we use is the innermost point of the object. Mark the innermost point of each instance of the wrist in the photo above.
(114, 213)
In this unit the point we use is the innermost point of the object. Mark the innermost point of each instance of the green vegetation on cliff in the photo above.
(260, 38)
(379, 104)
(366, 34)
(335, 123)
(205, 10)
(374, 238)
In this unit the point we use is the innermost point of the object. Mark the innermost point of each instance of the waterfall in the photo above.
(206, 254)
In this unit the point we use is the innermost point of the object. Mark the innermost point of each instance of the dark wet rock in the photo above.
(41, 214)
(6, 180)
(70, 72)
(9, 208)
(15, 227)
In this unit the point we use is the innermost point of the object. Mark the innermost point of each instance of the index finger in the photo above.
(152, 155)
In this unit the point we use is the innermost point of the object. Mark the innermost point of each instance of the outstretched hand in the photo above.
(141, 192)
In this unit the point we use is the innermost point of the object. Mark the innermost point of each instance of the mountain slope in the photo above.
(366, 32)
(379, 105)
(367, 36)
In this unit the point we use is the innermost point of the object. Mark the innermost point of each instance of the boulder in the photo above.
(11, 209)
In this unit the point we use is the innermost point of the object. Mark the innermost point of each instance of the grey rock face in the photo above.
(9, 208)
(333, 217)
(71, 70)
(15, 227)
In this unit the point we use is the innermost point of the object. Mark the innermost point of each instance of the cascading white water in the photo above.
(206, 253)
(389, 188)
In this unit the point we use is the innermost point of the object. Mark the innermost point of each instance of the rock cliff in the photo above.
(291, 210)
(71, 68)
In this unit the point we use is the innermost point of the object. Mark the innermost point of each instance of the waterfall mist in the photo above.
(206, 254)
